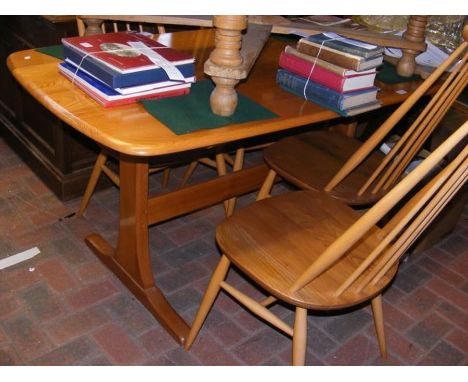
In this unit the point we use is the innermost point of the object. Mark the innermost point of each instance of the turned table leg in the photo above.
(228, 42)
(415, 32)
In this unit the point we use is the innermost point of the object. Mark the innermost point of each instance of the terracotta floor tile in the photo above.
(71, 310)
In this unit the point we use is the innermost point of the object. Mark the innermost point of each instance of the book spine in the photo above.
(313, 72)
(343, 60)
(313, 91)
(343, 72)
(124, 101)
(118, 80)
(341, 46)
(98, 70)
(324, 64)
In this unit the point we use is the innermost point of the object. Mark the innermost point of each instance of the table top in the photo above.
(131, 130)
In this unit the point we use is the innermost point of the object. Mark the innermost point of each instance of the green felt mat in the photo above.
(192, 112)
(388, 75)
(54, 50)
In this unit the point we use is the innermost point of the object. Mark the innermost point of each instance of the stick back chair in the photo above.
(356, 172)
(313, 251)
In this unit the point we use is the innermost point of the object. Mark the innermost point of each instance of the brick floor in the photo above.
(63, 307)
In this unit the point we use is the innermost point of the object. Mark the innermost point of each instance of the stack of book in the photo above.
(124, 67)
(332, 71)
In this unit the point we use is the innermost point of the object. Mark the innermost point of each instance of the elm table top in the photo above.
(130, 130)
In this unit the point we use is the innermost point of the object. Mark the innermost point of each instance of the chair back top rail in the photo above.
(142, 20)
(406, 225)
(116, 23)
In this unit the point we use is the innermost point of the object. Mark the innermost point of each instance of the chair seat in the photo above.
(310, 160)
(274, 240)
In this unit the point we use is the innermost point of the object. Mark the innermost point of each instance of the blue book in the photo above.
(116, 79)
(346, 45)
(108, 96)
(345, 104)
(79, 75)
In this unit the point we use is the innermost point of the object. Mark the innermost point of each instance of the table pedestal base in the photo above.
(130, 261)
(151, 297)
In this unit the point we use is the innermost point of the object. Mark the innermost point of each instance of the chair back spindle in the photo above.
(116, 23)
(441, 193)
(411, 142)
(396, 161)
(405, 227)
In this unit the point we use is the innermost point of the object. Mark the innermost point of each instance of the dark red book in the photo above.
(319, 74)
(116, 51)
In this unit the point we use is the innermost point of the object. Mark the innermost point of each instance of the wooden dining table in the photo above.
(135, 137)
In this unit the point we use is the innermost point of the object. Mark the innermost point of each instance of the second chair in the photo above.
(356, 172)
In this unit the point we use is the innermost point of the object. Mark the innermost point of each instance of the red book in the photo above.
(319, 74)
(115, 51)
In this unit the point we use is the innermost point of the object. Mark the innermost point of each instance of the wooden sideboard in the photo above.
(58, 154)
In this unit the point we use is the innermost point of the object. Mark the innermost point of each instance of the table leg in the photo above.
(415, 32)
(130, 261)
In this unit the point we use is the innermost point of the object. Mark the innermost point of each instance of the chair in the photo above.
(355, 172)
(313, 251)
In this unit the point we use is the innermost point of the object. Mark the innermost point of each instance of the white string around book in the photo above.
(315, 61)
(171, 70)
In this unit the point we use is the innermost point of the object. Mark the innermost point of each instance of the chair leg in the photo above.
(238, 164)
(300, 337)
(267, 186)
(93, 179)
(379, 324)
(188, 173)
(221, 169)
(208, 299)
(228, 159)
(165, 177)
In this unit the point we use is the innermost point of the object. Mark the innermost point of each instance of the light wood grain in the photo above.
(310, 161)
(274, 240)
